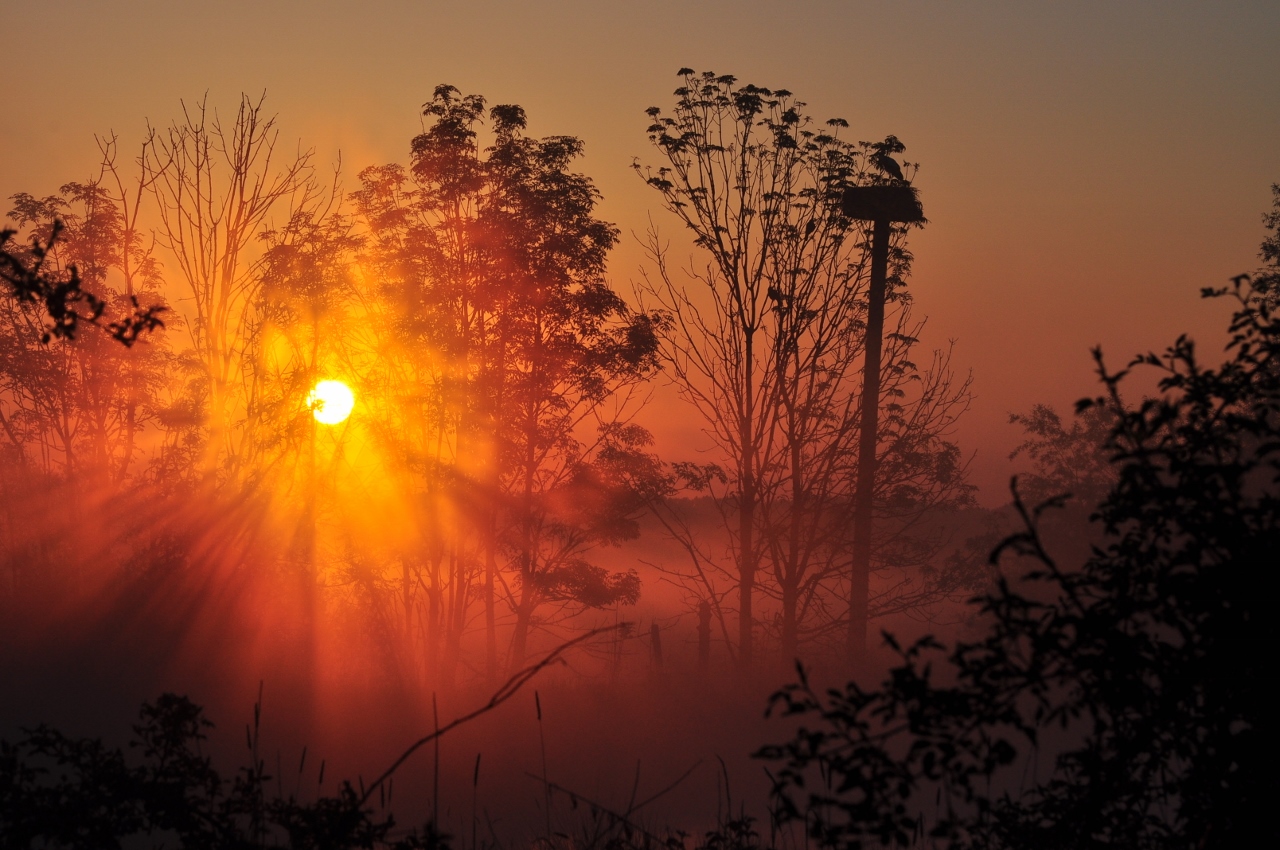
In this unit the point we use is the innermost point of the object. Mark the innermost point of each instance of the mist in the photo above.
(342, 452)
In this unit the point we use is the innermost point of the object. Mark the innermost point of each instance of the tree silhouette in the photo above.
(429, 366)
(71, 405)
(514, 359)
(767, 345)
(571, 345)
(1129, 688)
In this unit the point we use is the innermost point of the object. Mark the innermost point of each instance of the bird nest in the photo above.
(886, 202)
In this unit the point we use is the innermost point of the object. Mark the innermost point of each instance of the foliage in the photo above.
(1139, 676)
(63, 792)
(57, 791)
(1067, 461)
(61, 296)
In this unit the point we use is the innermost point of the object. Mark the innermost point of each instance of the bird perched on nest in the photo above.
(888, 165)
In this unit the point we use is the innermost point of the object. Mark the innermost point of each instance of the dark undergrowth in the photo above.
(164, 790)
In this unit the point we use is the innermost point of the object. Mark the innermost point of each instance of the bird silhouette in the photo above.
(888, 165)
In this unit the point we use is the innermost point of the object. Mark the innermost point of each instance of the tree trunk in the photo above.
(794, 566)
(746, 516)
(520, 637)
(790, 625)
(704, 637)
(490, 613)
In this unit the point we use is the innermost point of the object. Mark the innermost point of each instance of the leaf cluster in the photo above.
(61, 297)
(1068, 460)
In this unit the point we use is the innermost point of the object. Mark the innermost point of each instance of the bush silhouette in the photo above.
(1119, 702)
(62, 792)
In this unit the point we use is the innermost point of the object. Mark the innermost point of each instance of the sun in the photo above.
(331, 402)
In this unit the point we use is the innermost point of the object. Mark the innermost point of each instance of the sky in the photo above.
(1086, 167)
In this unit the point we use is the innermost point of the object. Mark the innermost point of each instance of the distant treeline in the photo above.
(495, 445)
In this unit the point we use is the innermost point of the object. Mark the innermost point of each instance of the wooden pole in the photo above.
(883, 204)
(863, 501)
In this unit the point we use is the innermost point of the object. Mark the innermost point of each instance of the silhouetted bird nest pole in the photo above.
(884, 204)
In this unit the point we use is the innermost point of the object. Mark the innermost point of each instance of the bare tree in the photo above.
(216, 185)
(139, 268)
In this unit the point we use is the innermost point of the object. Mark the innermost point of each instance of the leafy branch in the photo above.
(62, 298)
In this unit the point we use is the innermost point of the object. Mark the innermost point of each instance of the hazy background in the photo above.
(1086, 167)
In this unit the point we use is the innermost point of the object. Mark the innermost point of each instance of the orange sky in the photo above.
(1086, 167)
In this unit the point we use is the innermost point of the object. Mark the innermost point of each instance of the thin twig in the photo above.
(504, 693)
(638, 806)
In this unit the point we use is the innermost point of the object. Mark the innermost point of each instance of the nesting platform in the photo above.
(889, 202)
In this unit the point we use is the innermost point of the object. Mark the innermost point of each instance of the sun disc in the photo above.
(331, 402)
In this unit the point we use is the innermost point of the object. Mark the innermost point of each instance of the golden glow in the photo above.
(331, 402)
